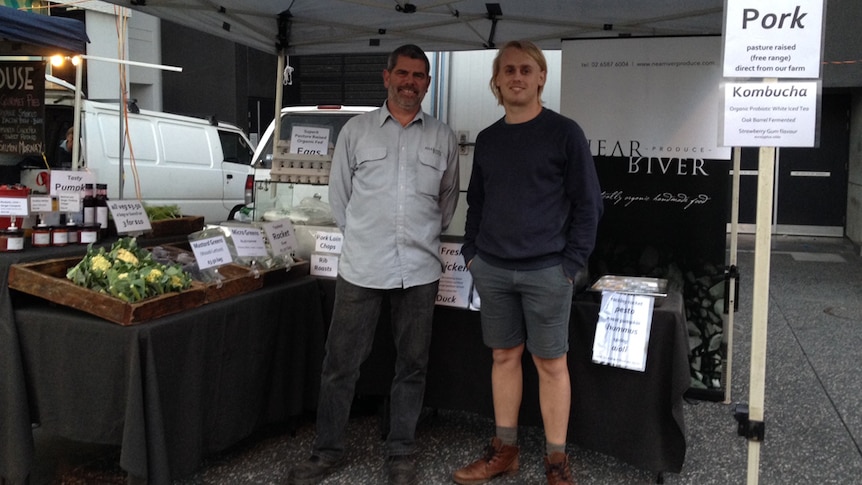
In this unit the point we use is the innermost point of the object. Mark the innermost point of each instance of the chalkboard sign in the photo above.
(22, 107)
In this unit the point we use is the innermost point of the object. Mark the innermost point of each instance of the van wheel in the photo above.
(233, 211)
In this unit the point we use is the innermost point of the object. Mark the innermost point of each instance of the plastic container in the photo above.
(12, 191)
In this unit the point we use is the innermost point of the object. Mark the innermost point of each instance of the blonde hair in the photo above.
(526, 47)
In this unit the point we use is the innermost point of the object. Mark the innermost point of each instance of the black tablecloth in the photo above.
(634, 416)
(168, 391)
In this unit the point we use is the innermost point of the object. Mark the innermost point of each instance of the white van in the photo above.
(200, 165)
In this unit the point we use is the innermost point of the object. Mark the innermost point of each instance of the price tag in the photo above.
(282, 237)
(14, 206)
(129, 216)
(249, 242)
(211, 252)
(41, 203)
(323, 265)
(328, 242)
(70, 201)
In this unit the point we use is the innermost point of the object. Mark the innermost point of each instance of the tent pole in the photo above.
(76, 122)
(760, 300)
(279, 95)
(731, 296)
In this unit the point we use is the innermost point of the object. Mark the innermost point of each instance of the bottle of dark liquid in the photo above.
(89, 204)
(102, 209)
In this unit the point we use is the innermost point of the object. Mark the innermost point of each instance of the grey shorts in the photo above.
(524, 306)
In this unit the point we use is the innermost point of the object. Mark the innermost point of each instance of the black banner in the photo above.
(667, 218)
(22, 107)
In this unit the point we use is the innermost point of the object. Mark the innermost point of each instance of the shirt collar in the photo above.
(384, 115)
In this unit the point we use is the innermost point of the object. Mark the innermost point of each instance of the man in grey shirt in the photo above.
(393, 189)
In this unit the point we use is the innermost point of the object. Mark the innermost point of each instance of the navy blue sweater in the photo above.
(534, 199)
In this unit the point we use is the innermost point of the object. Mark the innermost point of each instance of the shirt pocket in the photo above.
(370, 170)
(429, 173)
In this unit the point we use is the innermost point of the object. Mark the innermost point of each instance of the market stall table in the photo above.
(168, 391)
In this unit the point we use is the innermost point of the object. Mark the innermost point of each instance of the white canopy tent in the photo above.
(306, 27)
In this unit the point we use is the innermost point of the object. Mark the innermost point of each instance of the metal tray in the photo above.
(635, 285)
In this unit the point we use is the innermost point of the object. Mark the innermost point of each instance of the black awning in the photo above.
(27, 33)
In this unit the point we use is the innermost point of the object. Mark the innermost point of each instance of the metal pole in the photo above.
(279, 95)
(731, 296)
(76, 123)
(122, 142)
(760, 300)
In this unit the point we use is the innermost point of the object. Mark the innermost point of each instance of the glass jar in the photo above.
(89, 233)
(74, 232)
(41, 236)
(59, 236)
(11, 239)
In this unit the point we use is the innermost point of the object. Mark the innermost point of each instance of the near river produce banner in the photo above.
(22, 109)
(650, 108)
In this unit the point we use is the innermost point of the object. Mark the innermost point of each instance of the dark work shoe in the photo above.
(312, 470)
(401, 470)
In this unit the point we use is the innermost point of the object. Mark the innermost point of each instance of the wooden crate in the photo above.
(177, 227)
(267, 277)
(237, 279)
(47, 279)
(279, 275)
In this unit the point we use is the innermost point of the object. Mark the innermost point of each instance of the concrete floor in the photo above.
(813, 409)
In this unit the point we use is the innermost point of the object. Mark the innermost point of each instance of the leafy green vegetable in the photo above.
(127, 272)
(161, 212)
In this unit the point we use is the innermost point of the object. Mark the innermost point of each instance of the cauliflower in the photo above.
(176, 282)
(100, 264)
(126, 256)
(154, 275)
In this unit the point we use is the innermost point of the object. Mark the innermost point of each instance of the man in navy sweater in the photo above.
(534, 206)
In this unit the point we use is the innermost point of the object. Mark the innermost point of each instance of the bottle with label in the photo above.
(89, 204)
(102, 209)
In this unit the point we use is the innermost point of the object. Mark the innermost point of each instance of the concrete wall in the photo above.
(842, 51)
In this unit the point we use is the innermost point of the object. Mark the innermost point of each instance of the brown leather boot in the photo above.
(499, 459)
(557, 469)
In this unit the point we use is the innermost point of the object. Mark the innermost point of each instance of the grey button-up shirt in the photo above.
(393, 190)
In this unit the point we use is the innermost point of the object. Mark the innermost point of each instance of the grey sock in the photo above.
(554, 448)
(508, 436)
